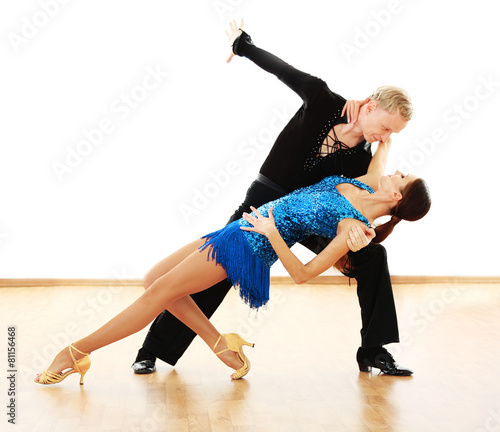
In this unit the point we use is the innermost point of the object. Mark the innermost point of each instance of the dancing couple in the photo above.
(319, 186)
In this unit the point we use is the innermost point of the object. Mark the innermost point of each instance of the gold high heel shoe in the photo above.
(79, 366)
(235, 343)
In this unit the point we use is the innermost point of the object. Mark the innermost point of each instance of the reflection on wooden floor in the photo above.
(304, 376)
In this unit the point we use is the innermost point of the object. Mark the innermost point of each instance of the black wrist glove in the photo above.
(243, 38)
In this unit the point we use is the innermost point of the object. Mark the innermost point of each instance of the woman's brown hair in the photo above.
(414, 204)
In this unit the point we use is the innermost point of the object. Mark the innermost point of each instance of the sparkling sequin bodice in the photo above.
(313, 210)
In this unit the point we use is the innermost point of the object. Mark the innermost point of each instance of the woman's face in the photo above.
(396, 182)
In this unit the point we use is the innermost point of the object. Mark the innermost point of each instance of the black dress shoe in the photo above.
(144, 362)
(380, 358)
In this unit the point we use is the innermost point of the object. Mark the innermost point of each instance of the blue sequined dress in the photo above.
(247, 256)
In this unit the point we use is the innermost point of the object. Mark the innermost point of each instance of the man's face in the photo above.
(378, 125)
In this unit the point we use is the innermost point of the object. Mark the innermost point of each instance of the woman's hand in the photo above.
(232, 34)
(359, 237)
(352, 108)
(262, 225)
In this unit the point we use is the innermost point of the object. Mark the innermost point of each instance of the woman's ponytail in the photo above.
(383, 231)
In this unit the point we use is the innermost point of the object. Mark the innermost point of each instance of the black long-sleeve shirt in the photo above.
(294, 160)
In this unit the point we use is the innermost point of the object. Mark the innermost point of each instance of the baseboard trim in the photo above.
(343, 280)
(6, 283)
(275, 280)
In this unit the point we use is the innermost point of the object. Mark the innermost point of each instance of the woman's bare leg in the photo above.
(168, 263)
(171, 291)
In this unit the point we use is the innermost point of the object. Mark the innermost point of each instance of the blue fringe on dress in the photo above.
(230, 248)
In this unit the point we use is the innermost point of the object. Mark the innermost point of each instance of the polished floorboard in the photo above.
(304, 376)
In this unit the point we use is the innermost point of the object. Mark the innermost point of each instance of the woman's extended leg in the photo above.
(195, 273)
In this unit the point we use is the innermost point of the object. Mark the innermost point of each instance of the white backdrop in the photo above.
(124, 134)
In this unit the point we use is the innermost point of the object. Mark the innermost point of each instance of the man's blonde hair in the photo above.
(394, 99)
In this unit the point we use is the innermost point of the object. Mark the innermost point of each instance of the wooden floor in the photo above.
(304, 376)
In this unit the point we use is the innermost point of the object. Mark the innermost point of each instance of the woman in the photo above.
(244, 250)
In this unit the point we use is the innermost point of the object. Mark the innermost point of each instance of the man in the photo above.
(317, 142)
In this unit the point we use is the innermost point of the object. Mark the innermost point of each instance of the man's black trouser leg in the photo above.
(378, 311)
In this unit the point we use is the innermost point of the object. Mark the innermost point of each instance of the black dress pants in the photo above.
(168, 337)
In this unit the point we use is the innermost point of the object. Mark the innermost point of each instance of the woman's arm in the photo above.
(377, 165)
(352, 108)
(300, 272)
